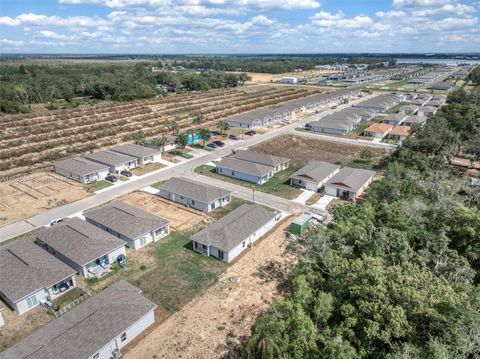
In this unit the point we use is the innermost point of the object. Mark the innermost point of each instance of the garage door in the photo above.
(311, 186)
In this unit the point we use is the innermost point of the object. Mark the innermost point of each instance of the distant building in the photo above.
(81, 170)
(289, 80)
(378, 130)
(314, 175)
(115, 161)
(143, 154)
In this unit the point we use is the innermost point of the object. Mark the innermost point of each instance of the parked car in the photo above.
(111, 178)
(212, 145)
(219, 143)
(250, 133)
(56, 221)
(126, 173)
(233, 137)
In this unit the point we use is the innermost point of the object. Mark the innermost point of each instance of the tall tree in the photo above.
(138, 137)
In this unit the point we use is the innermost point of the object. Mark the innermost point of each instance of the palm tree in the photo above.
(205, 134)
(181, 141)
(198, 120)
(223, 126)
(160, 142)
(266, 341)
(138, 137)
(173, 126)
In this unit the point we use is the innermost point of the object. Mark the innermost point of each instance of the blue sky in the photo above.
(238, 26)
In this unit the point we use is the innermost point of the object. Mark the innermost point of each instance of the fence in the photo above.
(58, 313)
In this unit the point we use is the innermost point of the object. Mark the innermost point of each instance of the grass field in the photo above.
(278, 185)
(96, 186)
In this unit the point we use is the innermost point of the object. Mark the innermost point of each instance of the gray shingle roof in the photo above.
(125, 219)
(350, 178)
(251, 168)
(428, 109)
(260, 158)
(316, 170)
(197, 191)
(416, 119)
(408, 108)
(232, 229)
(381, 101)
(79, 241)
(396, 117)
(26, 268)
(109, 158)
(79, 166)
(84, 330)
(135, 150)
(333, 122)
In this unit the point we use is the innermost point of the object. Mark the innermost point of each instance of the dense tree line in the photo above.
(396, 276)
(193, 81)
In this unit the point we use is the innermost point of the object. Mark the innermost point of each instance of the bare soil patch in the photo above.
(149, 167)
(29, 195)
(302, 150)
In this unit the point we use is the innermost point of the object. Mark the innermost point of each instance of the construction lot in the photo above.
(33, 194)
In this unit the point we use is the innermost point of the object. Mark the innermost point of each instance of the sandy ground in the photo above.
(260, 77)
(180, 217)
(213, 325)
(33, 194)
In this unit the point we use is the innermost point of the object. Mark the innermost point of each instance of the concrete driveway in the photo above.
(323, 202)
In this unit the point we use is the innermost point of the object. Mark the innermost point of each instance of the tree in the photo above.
(205, 135)
(198, 120)
(138, 137)
(173, 126)
(223, 126)
(160, 142)
(181, 141)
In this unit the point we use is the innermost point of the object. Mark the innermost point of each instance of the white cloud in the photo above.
(42, 20)
(454, 9)
(50, 34)
(11, 42)
(417, 3)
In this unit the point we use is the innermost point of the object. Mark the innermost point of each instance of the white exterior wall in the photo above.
(124, 166)
(100, 175)
(2, 321)
(204, 207)
(336, 131)
(21, 306)
(244, 176)
(132, 333)
(112, 256)
(331, 191)
(377, 134)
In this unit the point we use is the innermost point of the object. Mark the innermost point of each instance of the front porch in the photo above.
(98, 268)
(61, 287)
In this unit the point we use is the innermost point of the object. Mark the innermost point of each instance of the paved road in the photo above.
(183, 169)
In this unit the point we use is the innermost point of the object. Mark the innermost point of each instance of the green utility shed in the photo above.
(300, 224)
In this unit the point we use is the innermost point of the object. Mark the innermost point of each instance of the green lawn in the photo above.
(278, 185)
(179, 153)
(96, 186)
(222, 211)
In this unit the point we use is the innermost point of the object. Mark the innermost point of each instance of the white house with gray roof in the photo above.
(313, 176)
(131, 224)
(115, 161)
(143, 154)
(332, 124)
(80, 169)
(244, 170)
(98, 328)
(408, 110)
(83, 246)
(349, 183)
(194, 194)
(29, 275)
(394, 119)
(278, 163)
(427, 111)
(238, 230)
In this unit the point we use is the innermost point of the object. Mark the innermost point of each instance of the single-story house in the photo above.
(408, 110)
(424, 97)
(235, 232)
(30, 276)
(278, 163)
(349, 183)
(115, 161)
(364, 113)
(313, 176)
(169, 145)
(427, 111)
(194, 194)
(380, 103)
(434, 103)
(418, 102)
(415, 121)
(244, 170)
(411, 96)
(84, 247)
(80, 169)
(289, 80)
(98, 328)
(131, 224)
(143, 154)
(378, 130)
(400, 133)
(442, 86)
(394, 119)
(331, 125)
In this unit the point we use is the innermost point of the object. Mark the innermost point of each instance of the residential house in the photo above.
(435, 103)
(81, 170)
(333, 125)
(115, 161)
(143, 154)
(427, 111)
(98, 328)
(131, 224)
(394, 119)
(380, 103)
(244, 170)
(30, 276)
(378, 130)
(418, 102)
(349, 183)
(314, 175)
(400, 133)
(415, 121)
(194, 194)
(84, 247)
(169, 145)
(278, 163)
(365, 114)
(408, 110)
(235, 232)
(289, 80)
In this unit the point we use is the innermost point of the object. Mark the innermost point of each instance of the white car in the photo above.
(56, 221)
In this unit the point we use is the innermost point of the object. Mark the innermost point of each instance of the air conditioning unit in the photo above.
(116, 353)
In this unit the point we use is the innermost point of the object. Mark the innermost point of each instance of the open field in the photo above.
(30, 142)
(262, 78)
(301, 150)
(33, 194)
(149, 167)
(214, 324)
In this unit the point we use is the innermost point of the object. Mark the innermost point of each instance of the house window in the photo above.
(143, 241)
(123, 337)
(32, 301)
(243, 244)
(96, 356)
(233, 173)
(193, 203)
(195, 245)
(220, 170)
(204, 246)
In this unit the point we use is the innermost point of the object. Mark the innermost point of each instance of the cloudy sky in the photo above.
(238, 26)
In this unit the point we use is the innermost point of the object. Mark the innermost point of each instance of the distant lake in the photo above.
(434, 61)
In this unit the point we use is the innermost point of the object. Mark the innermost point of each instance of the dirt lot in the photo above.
(214, 324)
(180, 217)
(34, 194)
(302, 150)
(260, 77)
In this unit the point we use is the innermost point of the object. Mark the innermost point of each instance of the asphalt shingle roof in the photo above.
(247, 167)
(351, 179)
(125, 219)
(84, 330)
(79, 241)
(232, 229)
(137, 151)
(26, 268)
(109, 158)
(197, 191)
(79, 166)
(316, 170)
